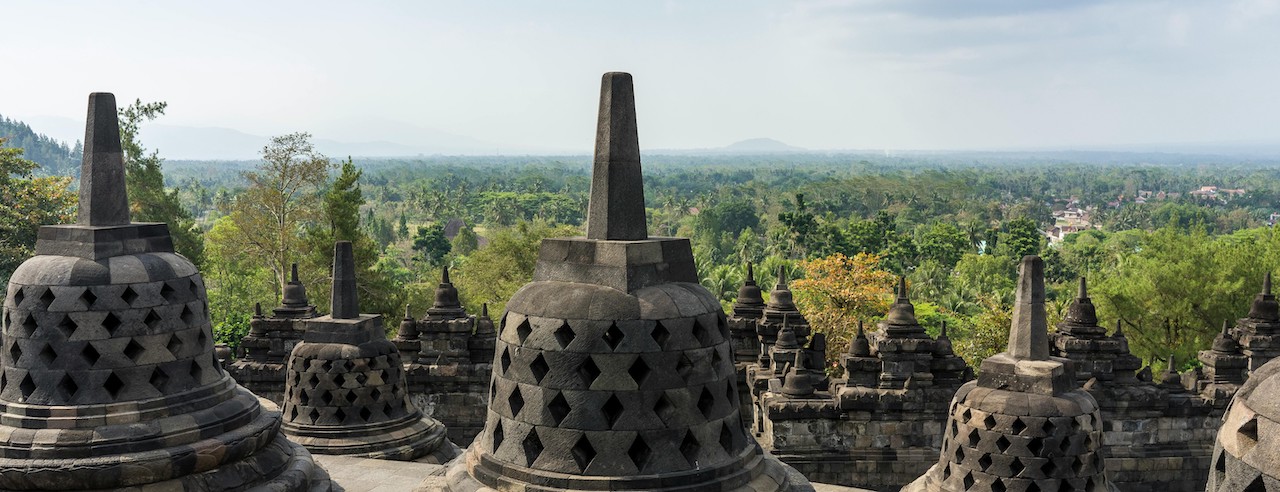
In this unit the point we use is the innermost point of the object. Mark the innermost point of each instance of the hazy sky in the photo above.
(852, 74)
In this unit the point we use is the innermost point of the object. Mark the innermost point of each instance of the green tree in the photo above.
(26, 203)
(280, 202)
(493, 273)
(340, 221)
(465, 242)
(149, 200)
(944, 243)
(430, 246)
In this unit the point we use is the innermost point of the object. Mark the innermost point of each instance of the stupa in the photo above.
(345, 391)
(614, 369)
(109, 378)
(1025, 424)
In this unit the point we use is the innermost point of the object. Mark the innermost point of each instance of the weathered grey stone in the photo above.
(103, 201)
(1029, 335)
(344, 303)
(616, 207)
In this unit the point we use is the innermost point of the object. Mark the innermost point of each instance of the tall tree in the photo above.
(280, 202)
(26, 203)
(340, 221)
(149, 201)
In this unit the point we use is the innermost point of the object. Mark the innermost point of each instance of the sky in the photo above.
(822, 74)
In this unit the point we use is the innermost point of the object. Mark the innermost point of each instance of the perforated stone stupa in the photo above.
(1025, 424)
(345, 391)
(1246, 457)
(109, 379)
(614, 369)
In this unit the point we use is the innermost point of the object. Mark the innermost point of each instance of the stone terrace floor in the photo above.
(370, 475)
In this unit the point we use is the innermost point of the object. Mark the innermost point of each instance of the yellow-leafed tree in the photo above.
(839, 290)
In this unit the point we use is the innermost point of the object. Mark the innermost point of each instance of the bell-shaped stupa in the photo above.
(109, 378)
(614, 369)
(345, 391)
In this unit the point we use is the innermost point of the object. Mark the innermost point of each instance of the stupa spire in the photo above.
(103, 198)
(344, 303)
(1029, 332)
(615, 210)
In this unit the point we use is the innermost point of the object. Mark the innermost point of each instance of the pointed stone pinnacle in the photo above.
(406, 312)
(902, 289)
(782, 279)
(615, 210)
(1266, 284)
(1119, 330)
(257, 309)
(861, 333)
(444, 277)
(1083, 293)
(751, 274)
(293, 276)
(1029, 333)
(103, 200)
(943, 332)
(344, 304)
(1226, 328)
(484, 310)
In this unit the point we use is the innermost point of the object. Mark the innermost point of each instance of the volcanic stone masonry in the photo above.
(614, 369)
(264, 350)
(1025, 424)
(345, 392)
(109, 379)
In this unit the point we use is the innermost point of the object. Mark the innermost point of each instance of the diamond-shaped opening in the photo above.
(47, 355)
(15, 351)
(532, 447)
(326, 397)
(1088, 440)
(639, 370)
(588, 372)
(723, 322)
(339, 380)
(361, 378)
(303, 398)
(1036, 445)
(188, 316)
(293, 413)
(516, 401)
(67, 326)
(197, 372)
(1065, 445)
(1049, 427)
(612, 410)
(18, 296)
(1049, 468)
(375, 394)
(684, 366)
(966, 416)
(706, 403)
(505, 360)
(88, 297)
(1248, 431)
(201, 338)
(47, 297)
(564, 335)
(315, 415)
(113, 385)
(68, 385)
(167, 292)
(111, 323)
(583, 452)
(974, 438)
(1018, 426)
(998, 486)
(128, 296)
(28, 386)
(989, 422)
(1066, 486)
(1032, 487)
(946, 472)
(175, 344)
(1016, 466)
(388, 410)
(613, 336)
(663, 408)
(340, 415)
(539, 368)
(159, 379)
(90, 354)
(726, 438)
(497, 436)
(639, 452)
(1220, 464)
(134, 350)
(351, 397)
(153, 318)
(689, 447)
(1077, 465)
(716, 359)
(1256, 485)
(729, 390)
(559, 408)
(959, 455)
(1002, 444)
(700, 333)
(524, 330)
(195, 288)
(30, 324)
(313, 380)
(660, 334)
(968, 481)
(984, 461)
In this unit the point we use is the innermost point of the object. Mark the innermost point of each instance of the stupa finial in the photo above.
(344, 304)
(103, 199)
(1029, 333)
(615, 210)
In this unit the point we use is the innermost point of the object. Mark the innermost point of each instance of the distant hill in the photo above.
(761, 145)
(54, 157)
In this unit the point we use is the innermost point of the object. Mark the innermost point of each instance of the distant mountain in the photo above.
(53, 156)
(760, 145)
